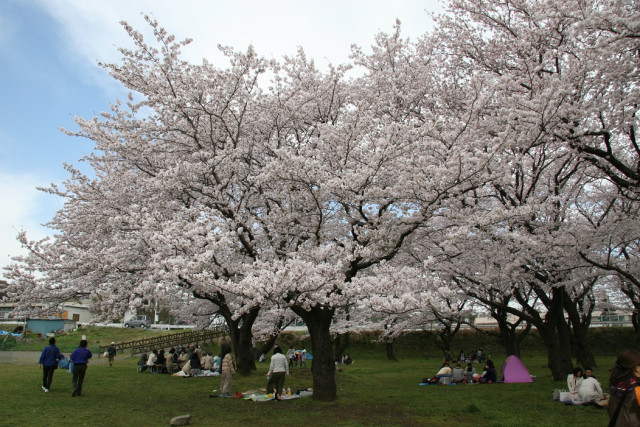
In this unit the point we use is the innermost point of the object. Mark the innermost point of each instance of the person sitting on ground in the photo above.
(172, 364)
(444, 372)
(161, 362)
(196, 365)
(590, 392)
(142, 361)
(183, 358)
(490, 375)
(216, 363)
(347, 360)
(207, 361)
(458, 374)
(151, 360)
(588, 372)
(469, 373)
(574, 381)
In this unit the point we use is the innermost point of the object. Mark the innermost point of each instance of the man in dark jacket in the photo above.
(80, 357)
(49, 362)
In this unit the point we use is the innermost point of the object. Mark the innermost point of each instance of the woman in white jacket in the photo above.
(277, 371)
(574, 381)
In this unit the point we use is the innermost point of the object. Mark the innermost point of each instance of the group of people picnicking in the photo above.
(584, 388)
(463, 371)
(192, 361)
(622, 401)
(188, 360)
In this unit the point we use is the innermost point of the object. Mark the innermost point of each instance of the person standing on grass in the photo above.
(228, 368)
(80, 357)
(303, 358)
(49, 363)
(277, 371)
(291, 354)
(111, 353)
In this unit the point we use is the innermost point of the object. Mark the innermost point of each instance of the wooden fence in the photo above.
(171, 340)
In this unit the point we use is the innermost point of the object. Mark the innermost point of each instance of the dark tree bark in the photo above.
(443, 337)
(580, 319)
(556, 334)
(630, 291)
(511, 335)
(323, 367)
(269, 344)
(553, 328)
(389, 348)
(240, 329)
(242, 339)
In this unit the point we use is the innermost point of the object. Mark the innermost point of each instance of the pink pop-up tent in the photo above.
(514, 371)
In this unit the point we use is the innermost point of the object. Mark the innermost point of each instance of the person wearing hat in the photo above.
(624, 382)
(80, 358)
(111, 353)
(303, 358)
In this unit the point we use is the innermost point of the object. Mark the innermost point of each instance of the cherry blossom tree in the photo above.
(529, 57)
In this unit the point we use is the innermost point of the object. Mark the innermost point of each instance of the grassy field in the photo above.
(373, 391)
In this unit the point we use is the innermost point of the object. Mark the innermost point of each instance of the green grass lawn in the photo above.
(96, 335)
(373, 391)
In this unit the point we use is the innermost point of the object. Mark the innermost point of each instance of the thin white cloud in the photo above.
(325, 30)
(90, 31)
(23, 208)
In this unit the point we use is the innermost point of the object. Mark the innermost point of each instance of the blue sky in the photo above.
(49, 51)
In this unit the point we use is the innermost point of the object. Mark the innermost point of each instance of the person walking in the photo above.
(49, 363)
(111, 353)
(80, 357)
(228, 368)
(277, 371)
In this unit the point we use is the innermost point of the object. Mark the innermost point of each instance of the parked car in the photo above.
(138, 322)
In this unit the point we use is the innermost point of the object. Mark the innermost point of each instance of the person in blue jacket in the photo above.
(80, 357)
(49, 363)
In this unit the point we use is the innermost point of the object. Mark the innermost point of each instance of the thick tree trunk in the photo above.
(580, 319)
(509, 338)
(389, 347)
(635, 321)
(323, 367)
(242, 340)
(557, 340)
(267, 346)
